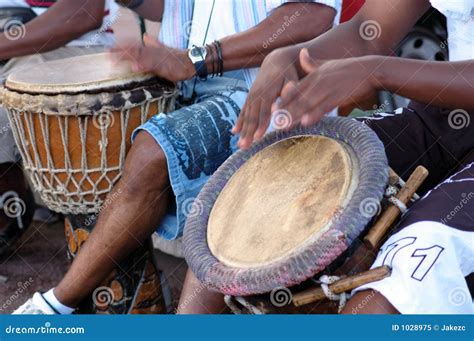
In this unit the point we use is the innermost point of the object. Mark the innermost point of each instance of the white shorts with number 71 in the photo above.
(429, 262)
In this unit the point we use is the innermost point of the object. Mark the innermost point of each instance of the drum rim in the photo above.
(373, 177)
(87, 104)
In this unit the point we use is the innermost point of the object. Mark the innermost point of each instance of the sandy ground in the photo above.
(39, 260)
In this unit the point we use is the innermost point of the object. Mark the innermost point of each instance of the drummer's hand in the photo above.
(155, 57)
(277, 70)
(328, 85)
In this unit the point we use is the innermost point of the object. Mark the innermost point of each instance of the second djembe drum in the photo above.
(72, 120)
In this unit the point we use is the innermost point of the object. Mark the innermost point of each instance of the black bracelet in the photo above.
(220, 70)
(211, 53)
(132, 4)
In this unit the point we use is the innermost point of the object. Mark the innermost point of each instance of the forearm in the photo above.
(62, 23)
(443, 84)
(147, 9)
(369, 32)
(289, 24)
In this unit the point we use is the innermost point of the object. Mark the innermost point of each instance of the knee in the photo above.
(146, 167)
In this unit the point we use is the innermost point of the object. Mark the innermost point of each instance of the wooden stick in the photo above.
(342, 285)
(388, 217)
(393, 177)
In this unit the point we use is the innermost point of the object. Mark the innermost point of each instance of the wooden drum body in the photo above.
(73, 120)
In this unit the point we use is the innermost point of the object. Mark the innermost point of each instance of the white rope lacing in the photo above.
(229, 301)
(401, 206)
(68, 178)
(325, 281)
(402, 184)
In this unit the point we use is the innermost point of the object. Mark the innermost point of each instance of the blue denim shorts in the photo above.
(196, 140)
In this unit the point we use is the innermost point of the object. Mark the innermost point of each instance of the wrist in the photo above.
(378, 71)
(189, 68)
(286, 55)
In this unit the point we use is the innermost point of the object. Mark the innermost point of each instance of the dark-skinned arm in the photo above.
(63, 22)
(335, 73)
(241, 50)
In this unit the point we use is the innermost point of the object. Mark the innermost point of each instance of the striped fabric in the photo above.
(178, 19)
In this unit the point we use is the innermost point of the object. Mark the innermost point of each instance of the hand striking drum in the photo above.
(72, 120)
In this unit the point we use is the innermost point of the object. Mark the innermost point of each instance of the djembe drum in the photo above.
(278, 222)
(72, 120)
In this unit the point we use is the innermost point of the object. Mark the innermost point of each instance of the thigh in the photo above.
(451, 202)
(196, 140)
(432, 251)
(421, 135)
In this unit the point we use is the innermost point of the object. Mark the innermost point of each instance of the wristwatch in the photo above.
(198, 54)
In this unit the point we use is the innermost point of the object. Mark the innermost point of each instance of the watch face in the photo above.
(197, 54)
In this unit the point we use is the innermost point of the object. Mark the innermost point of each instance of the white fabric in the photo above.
(185, 21)
(54, 302)
(460, 15)
(92, 38)
(35, 306)
(429, 261)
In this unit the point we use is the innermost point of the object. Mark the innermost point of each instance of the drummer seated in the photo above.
(61, 29)
(174, 155)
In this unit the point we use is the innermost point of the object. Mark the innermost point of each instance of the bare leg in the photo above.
(196, 298)
(369, 302)
(141, 199)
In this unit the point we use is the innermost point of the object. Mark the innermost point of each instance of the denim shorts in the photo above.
(196, 140)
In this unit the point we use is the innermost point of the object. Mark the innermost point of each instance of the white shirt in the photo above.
(185, 22)
(101, 36)
(460, 15)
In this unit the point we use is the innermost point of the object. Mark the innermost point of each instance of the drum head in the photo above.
(280, 207)
(95, 72)
(283, 211)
